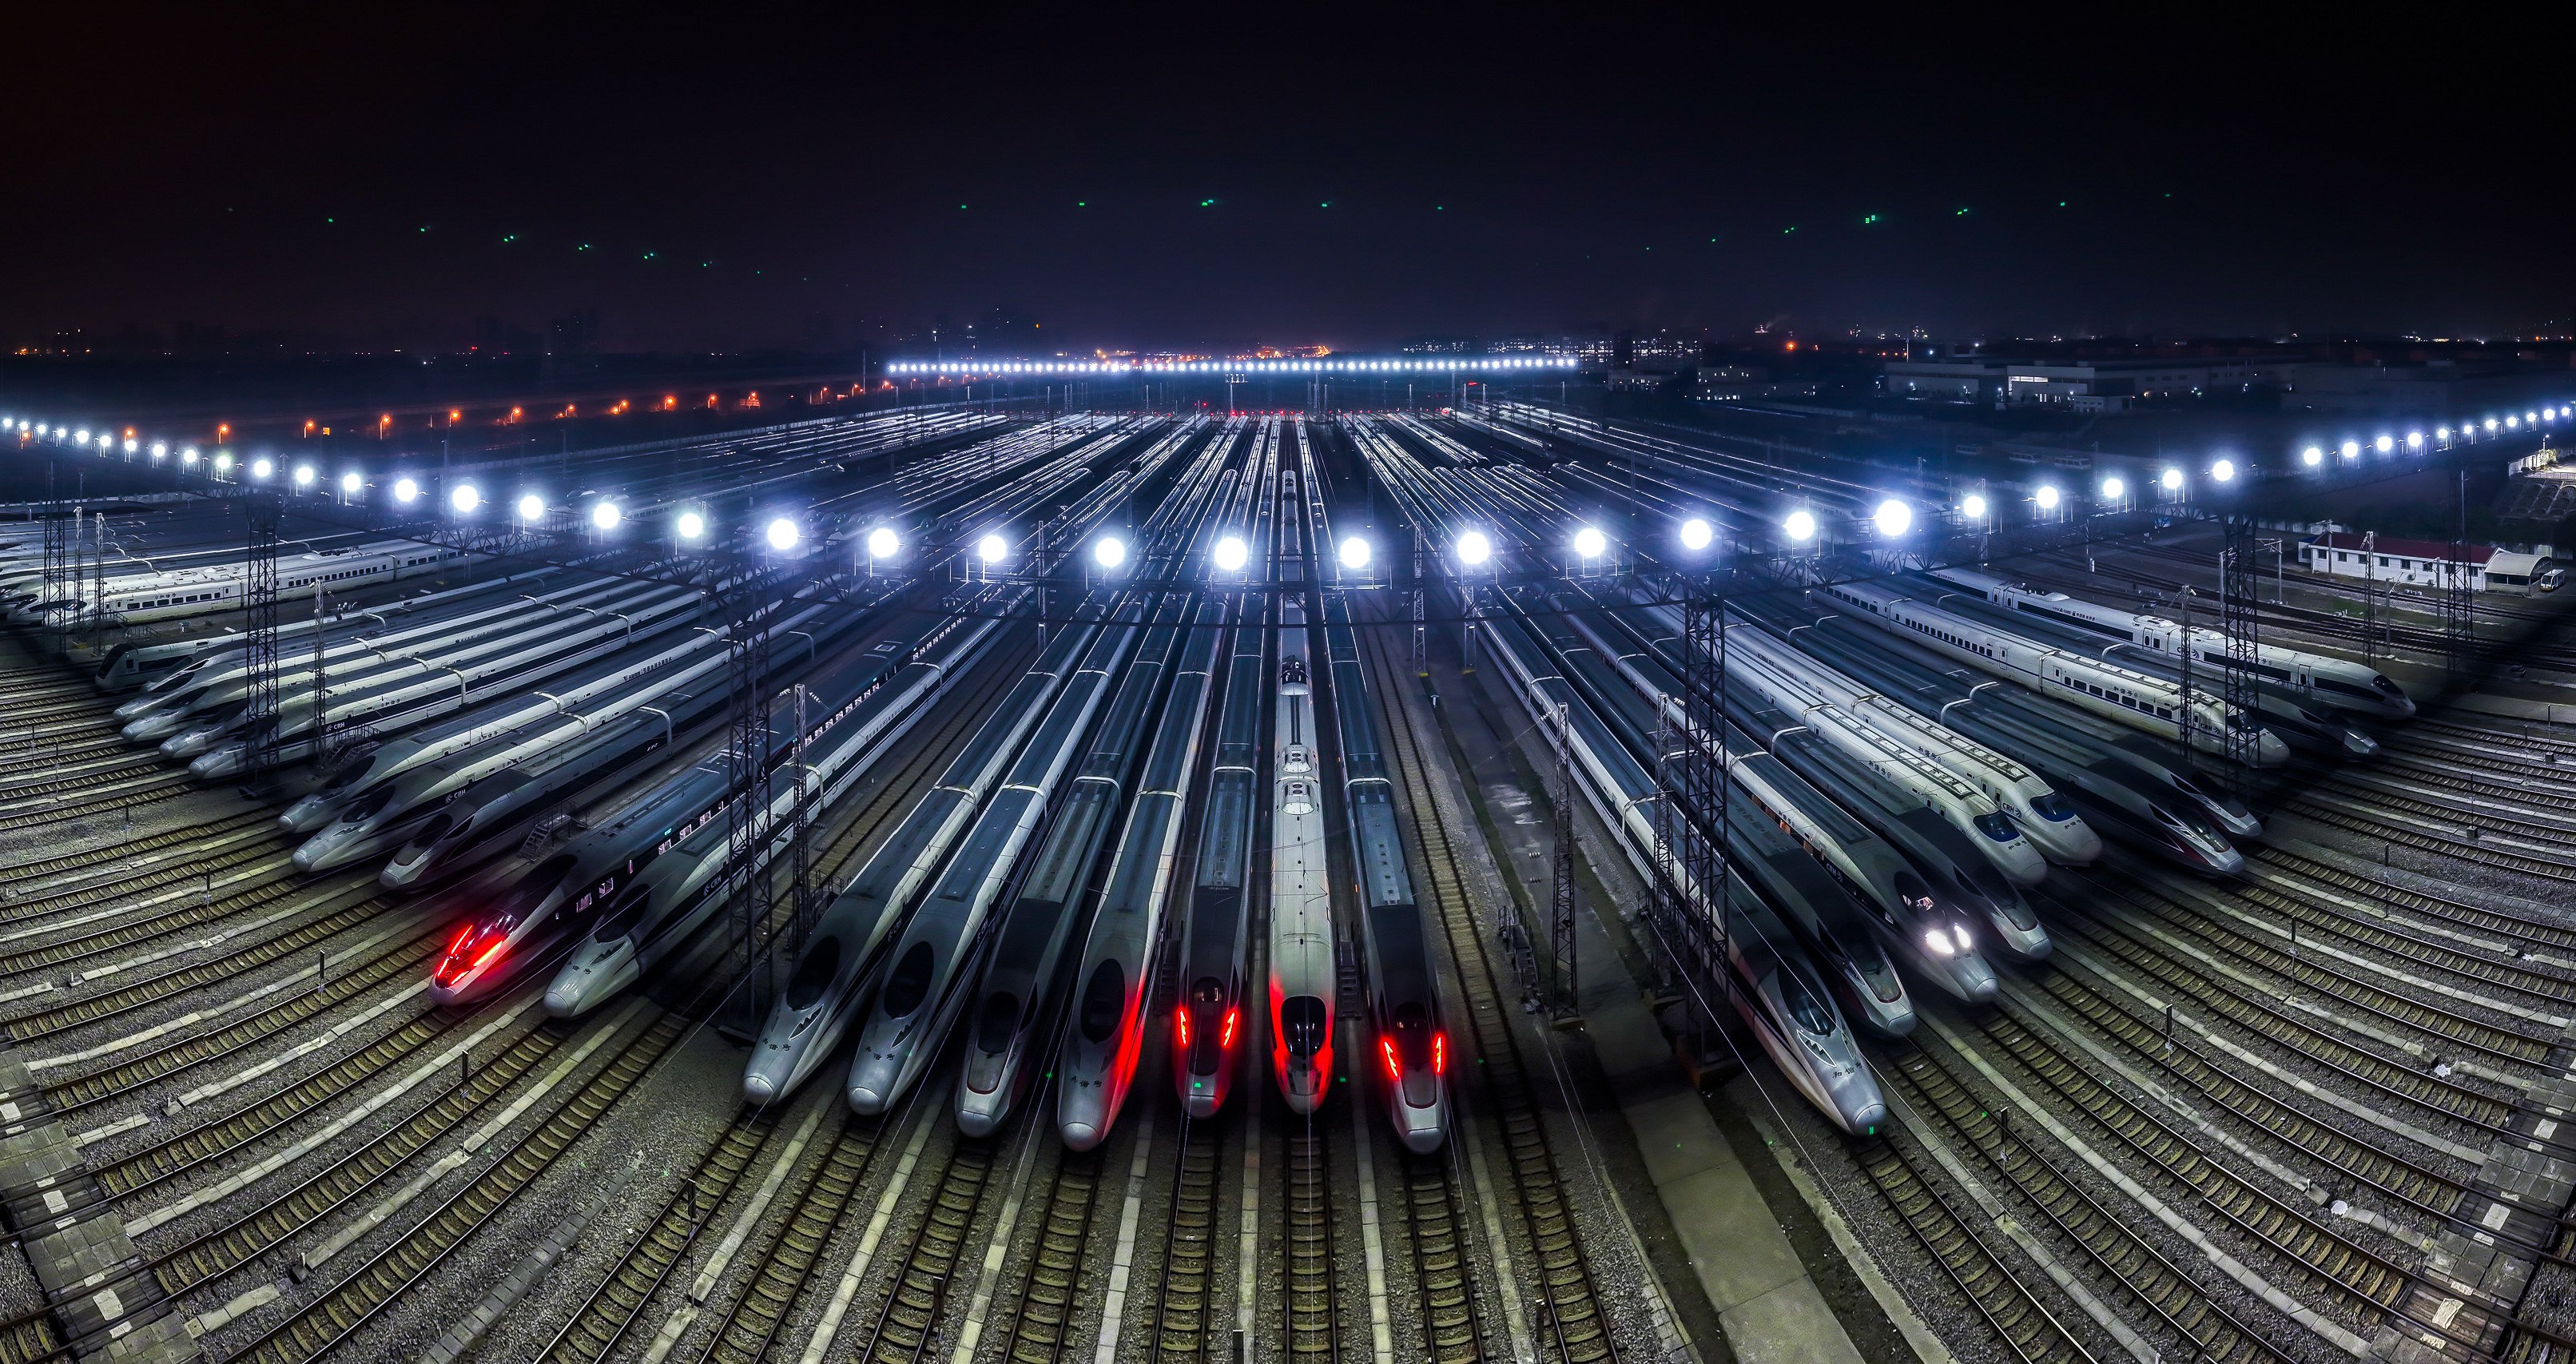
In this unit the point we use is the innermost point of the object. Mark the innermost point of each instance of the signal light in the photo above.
(1439, 1053)
(1394, 1068)
(1225, 1037)
(1181, 1025)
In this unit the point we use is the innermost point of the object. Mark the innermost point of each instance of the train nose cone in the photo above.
(758, 1086)
(1976, 980)
(2360, 745)
(214, 766)
(308, 814)
(399, 873)
(1869, 1117)
(979, 1115)
(1421, 1129)
(312, 855)
(871, 1084)
(2084, 845)
(186, 745)
(1080, 1136)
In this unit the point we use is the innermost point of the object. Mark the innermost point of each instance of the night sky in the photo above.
(718, 180)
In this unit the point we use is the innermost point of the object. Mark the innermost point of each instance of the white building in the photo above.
(2411, 563)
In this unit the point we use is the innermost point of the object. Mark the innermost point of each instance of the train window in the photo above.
(1302, 1024)
(433, 831)
(1995, 826)
(910, 983)
(1804, 1006)
(814, 974)
(999, 1019)
(1104, 1001)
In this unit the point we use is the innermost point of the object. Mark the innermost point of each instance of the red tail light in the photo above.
(458, 943)
(1394, 1068)
(1225, 1038)
(1439, 1053)
(1181, 1025)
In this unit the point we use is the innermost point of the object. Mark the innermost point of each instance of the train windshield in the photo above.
(994, 1026)
(2052, 807)
(1803, 1004)
(1301, 1025)
(814, 974)
(1104, 1001)
(910, 983)
(1994, 825)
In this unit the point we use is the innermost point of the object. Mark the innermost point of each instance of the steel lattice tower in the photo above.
(2459, 607)
(262, 510)
(2241, 619)
(748, 751)
(1690, 828)
(1561, 893)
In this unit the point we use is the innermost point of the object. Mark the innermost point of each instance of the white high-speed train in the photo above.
(2127, 695)
(1302, 982)
(2336, 682)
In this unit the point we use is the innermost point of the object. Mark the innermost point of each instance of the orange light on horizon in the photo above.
(514, 414)
(223, 429)
(309, 424)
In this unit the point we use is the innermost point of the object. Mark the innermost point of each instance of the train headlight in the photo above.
(1939, 942)
(1960, 932)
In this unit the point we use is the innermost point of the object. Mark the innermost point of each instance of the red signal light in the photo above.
(1439, 1053)
(1394, 1068)
(1225, 1037)
(1181, 1025)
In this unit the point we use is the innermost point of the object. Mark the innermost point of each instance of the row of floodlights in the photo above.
(2386, 443)
(969, 368)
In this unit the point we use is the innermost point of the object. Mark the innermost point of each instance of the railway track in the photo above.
(154, 861)
(2393, 828)
(161, 924)
(610, 1311)
(750, 1327)
(1574, 1323)
(1311, 1329)
(2532, 932)
(1043, 1321)
(340, 1312)
(2195, 1325)
(159, 784)
(2373, 1074)
(1184, 1319)
(907, 1320)
(2368, 1287)
(2023, 1323)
